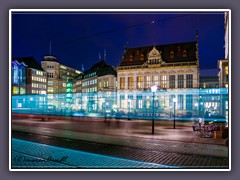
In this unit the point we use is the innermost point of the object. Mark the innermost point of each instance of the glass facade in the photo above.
(190, 103)
(18, 78)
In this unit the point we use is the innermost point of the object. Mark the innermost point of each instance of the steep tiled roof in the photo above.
(139, 55)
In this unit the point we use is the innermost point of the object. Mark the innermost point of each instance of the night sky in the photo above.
(78, 38)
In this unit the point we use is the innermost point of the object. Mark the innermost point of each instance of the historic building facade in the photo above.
(170, 67)
(98, 84)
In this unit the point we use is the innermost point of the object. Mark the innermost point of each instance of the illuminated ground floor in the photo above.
(180, 103)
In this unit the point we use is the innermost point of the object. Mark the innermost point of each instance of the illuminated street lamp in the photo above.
(153, 89)
(174, 109)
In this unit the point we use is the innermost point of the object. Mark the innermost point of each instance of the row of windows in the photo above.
(34, 78)
(94, 81)
(50, 75)
(36, 72)
(35, 85)
(147, 103)
(50, 67)
(162, 81)
(90, 75)
(93, 89)
(50, 89)
(38, 91)
(103, 84)
(171, 55)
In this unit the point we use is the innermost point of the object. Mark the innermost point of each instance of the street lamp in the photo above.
(153, 89)
(106, 107)
(174, 109)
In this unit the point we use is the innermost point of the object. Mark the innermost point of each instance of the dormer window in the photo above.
(172, 55)
(137, 52)
(154, 56)
(131, 57)
(184, 53)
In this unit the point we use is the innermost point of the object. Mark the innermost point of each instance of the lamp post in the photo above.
(106, 107)
(174, 109)
(153, 89)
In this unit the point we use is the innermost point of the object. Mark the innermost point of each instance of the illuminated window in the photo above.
(147, 82)
(139, 101)
(155, 80)
(50, 89)
(142, 57)
(163, 81)
(226, 70)
(139, 82)
(15, 90)
(122, 82)
(130, 82)
(50, 83)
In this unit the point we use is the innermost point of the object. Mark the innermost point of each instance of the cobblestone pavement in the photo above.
(162, 148)
(26, 154)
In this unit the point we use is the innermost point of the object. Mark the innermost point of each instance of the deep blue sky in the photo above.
(78, 38)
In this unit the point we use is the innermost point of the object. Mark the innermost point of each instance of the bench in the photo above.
(205, 130)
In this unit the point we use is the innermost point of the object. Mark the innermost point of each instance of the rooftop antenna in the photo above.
(105, 54)
(99, 56)
(82, 68)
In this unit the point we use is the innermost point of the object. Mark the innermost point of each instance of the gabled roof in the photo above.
(139, 55)
(30, 62)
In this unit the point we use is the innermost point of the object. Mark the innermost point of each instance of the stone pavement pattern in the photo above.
(179, 147)
(34, 155)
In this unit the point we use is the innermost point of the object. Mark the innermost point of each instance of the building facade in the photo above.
(19, 71)
(36, 77)
(169, 67)
(98, 83)
(60, 84)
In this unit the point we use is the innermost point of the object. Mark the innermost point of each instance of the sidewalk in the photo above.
(123, 128)
(130, 139)
(45, 156)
